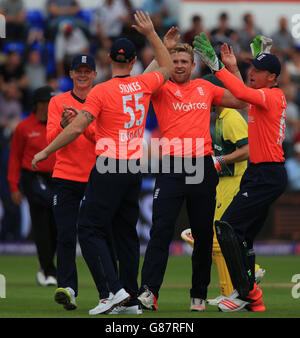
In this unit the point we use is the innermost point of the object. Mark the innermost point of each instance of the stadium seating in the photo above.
(17, 46)
(35, 19)
(50, 58)
(86, 15)
(65, 83)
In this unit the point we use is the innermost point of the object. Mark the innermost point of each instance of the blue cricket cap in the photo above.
(123, 50)
(83, 60)
(267, 62)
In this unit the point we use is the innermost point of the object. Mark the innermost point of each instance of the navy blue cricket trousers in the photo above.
(107, 230)
(260, 186)
(170, 192)
(66, 202)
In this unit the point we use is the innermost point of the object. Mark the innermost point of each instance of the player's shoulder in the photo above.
(272, 92)
(201, 81)
(233, 116)
(23, 123)
(274, 97)
(26, 123)
(62, 97)
(155, 76)
(202, 84)
(230, 113)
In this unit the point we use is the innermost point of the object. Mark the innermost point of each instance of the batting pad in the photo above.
(233, 256)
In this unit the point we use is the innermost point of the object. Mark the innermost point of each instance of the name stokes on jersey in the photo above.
(135, 109)
(129, 87)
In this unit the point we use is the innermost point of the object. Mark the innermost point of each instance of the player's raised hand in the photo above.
(261, 44)
(207, 54)
(144, 23)
(171, 38)
(227, 56)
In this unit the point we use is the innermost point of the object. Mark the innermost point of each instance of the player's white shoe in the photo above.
(148, 299)
(233, 303)
(107, 304)
(197, 304)
(216, 300)
(41, 278)
(50, 281)
(186, 235)
(66, 297)
(126, 310)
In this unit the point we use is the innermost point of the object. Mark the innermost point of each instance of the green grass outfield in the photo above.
(25, 299)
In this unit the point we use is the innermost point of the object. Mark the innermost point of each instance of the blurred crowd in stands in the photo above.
(39, 45)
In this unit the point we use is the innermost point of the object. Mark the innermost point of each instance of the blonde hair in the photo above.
(184, 47)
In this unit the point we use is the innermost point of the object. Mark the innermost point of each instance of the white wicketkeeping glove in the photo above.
(261, 44)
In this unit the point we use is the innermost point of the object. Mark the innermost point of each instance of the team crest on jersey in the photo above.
(200, 90)
(178, 93)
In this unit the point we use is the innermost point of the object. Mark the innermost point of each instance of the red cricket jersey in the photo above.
(183, 115)
(75, 161)
(29, 138)
(120, 106)
(266, 118)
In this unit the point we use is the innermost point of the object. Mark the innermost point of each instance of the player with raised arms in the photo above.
(264, 180)
(110, 203)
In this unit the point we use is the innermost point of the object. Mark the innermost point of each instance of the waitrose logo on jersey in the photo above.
(190, 106)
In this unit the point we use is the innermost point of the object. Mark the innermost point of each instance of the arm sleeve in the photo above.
(93, 103)
(15, 159)
(153, 80)
(218, 95)
(89, 133)
(53, 122)
(240, 90)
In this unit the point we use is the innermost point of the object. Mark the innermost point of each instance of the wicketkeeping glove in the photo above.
(261, 44)
(219, 163)
(205, 50)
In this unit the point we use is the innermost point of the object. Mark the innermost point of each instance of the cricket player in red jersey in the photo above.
(70, 175)
(182, 107)
(110, 203)
(264, 180)
(30, 137)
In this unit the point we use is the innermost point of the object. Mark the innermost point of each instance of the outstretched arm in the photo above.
(229, 60)
(68, 135)
(239, 90)
(145, 26)
(239, 155)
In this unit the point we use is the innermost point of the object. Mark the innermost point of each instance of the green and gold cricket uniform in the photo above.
(231, 132)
